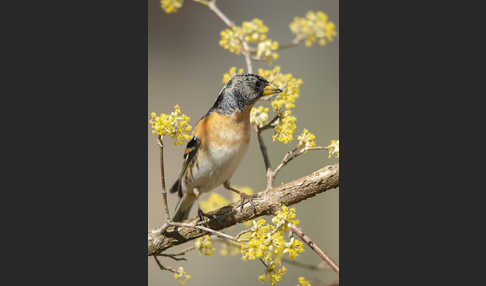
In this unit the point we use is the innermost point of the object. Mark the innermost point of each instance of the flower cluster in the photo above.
(306, 139)
(283, 103)
(171, 6)
(253, 31)
(333, 148)
(259, 116)
(176, 125)
(314, 26)
(303, 282)
(284, 127)
(290, 87)
(266, 50)
(285, 217)
(293, 248)
(232, 71)
(272, 274)
(203, 245)
(266, 242)
(230, 40)
(181, 275)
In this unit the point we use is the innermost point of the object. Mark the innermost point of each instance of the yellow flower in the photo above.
(259, 116)
(214, 202)
(253, 31)
(306, 139)
(171, 6)
(333, 148)
(230, 39)
(266, 242)
(176, 125)
(293, 248)
(290, 87)
(273, 274)
(303, 282)
(285, 217)
(314, 26)
(284, 127)
(181, 275)
(266, 50)
(203, 245)
(232, 71)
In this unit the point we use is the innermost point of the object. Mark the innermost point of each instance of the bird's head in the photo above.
(241, 92)
(248, 88)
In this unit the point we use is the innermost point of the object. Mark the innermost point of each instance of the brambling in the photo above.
(219, 142)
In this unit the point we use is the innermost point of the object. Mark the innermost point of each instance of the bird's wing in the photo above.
(190, 153)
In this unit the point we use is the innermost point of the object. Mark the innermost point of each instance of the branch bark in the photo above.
(265, 203)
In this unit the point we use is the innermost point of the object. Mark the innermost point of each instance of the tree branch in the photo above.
(246, 51)
(292, 154)
(162, 177)
(266, 160)
(295, 42)
(297, 231)
(265, 203)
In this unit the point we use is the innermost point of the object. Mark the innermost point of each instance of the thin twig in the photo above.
(246, 51)
(162, 177)
(269, 124)
(292, 154)
(163, 267)
(212, 6)
(174, 255)
(297, 231)
(217, 233)
(242, 232)
(247, 55)
(266, 160)
(295, 42)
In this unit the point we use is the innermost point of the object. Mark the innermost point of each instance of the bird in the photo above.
(219, 142)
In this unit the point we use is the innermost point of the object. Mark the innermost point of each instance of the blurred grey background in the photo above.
(186, 65)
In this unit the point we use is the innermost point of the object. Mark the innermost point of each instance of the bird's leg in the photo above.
(244, 197)
(200, 214)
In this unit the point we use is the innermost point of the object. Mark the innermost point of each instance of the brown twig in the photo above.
(269, 124)
(174, 255)
(246, 51)
(295, 42)
(247, 54)
(162, 177)
(266, 160)
(297, 231)
(265, 203)
(217, 233)
(162, 267)
(292, 154)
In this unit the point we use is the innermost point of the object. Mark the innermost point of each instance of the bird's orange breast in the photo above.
(224, 129)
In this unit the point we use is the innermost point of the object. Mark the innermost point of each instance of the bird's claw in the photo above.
(201, 215)
(247, 198)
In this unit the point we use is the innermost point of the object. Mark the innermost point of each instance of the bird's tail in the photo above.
(177, 187)
(184, 207)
